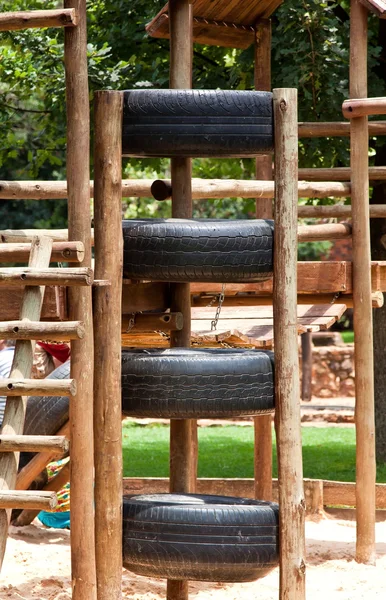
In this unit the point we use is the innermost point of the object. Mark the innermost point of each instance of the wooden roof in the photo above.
(376, 6)
(228, 23)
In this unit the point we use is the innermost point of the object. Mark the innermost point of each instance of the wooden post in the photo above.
(107, 338)
(80, 308)
(183, 433)
(15, 408)
(364, 366)
(289, 444)
(306, 339)
(263, 424)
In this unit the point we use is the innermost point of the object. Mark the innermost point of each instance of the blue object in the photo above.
(59, 520)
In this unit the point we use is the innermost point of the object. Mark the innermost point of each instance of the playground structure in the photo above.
(96, 565)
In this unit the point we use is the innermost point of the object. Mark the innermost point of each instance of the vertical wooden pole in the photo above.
(364, 367)
(306, 339)
(291, 493)
(107, 339)
(183, 433)
(263, 424)
(80, 305)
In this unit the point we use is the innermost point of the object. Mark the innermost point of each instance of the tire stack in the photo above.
(189, 536)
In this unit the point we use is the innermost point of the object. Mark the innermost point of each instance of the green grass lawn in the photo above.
(348, 336)
(328, 452)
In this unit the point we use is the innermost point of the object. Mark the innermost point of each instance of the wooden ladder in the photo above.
(19, 385)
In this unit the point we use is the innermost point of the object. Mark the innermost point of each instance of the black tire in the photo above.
(183, 383)
(202, 538)
(197, 123)
(46, 415)
(198, 250)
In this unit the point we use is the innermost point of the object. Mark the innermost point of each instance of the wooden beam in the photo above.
(326, 231)
(28, 499)
(264, 210)
(165, 321)
(107, 336)
(15, 408)
(38, 463)
(183, 433)
(338, 211)
(70, 252)
(37, 387)
(55, 485)
(378, 7)
(83, 570)
(337, 129)
(334, 492)
(362, 288)
(287, 392)
(137, 297)
(62, 17)
(339, 174)
(26, 276)
(266, 300)
(54, 304)
(24, 330)
(34, 443)
(262, 190)
(362, 107)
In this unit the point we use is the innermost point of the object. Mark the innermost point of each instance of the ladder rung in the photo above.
(42, 330)
(17, 276)
(34, 443)
(62, 17)
(37, 387)
(70, 252)
(28, 499)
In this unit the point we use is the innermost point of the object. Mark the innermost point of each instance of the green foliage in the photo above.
(227, 451)
(310, 52)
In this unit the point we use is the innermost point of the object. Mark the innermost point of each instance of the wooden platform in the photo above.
(228, 23)
(250, 326)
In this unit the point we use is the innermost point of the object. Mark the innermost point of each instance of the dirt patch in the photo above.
(37, 567)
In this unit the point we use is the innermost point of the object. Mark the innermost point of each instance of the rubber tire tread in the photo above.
(197, 123)
(198, 250)
(200, 537)
(45, 415)
(183, 383)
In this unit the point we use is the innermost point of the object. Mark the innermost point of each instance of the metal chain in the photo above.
(131, 323)
(213, 324)
(335, 297)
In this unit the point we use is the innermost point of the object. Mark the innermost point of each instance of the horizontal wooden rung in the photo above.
(69, 252)
(39, 330)
(361, 107)
(29, 19)
(37, 387)
(28, 499)
(17, 276)
(55, 444)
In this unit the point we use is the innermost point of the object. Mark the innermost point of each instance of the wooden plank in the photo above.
(34, 443)
(15, 408)
(83, 570)
(339, 174)
(54, 304)
(27, 499)
(107, 327)
(219, 23)
(378, 7)
(266, 312)
(363, 327)
(22, 330)
(165, 321)
(62, 17)
(145, 296)
(335, 493)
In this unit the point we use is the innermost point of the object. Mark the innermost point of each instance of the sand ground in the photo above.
(37, 567)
